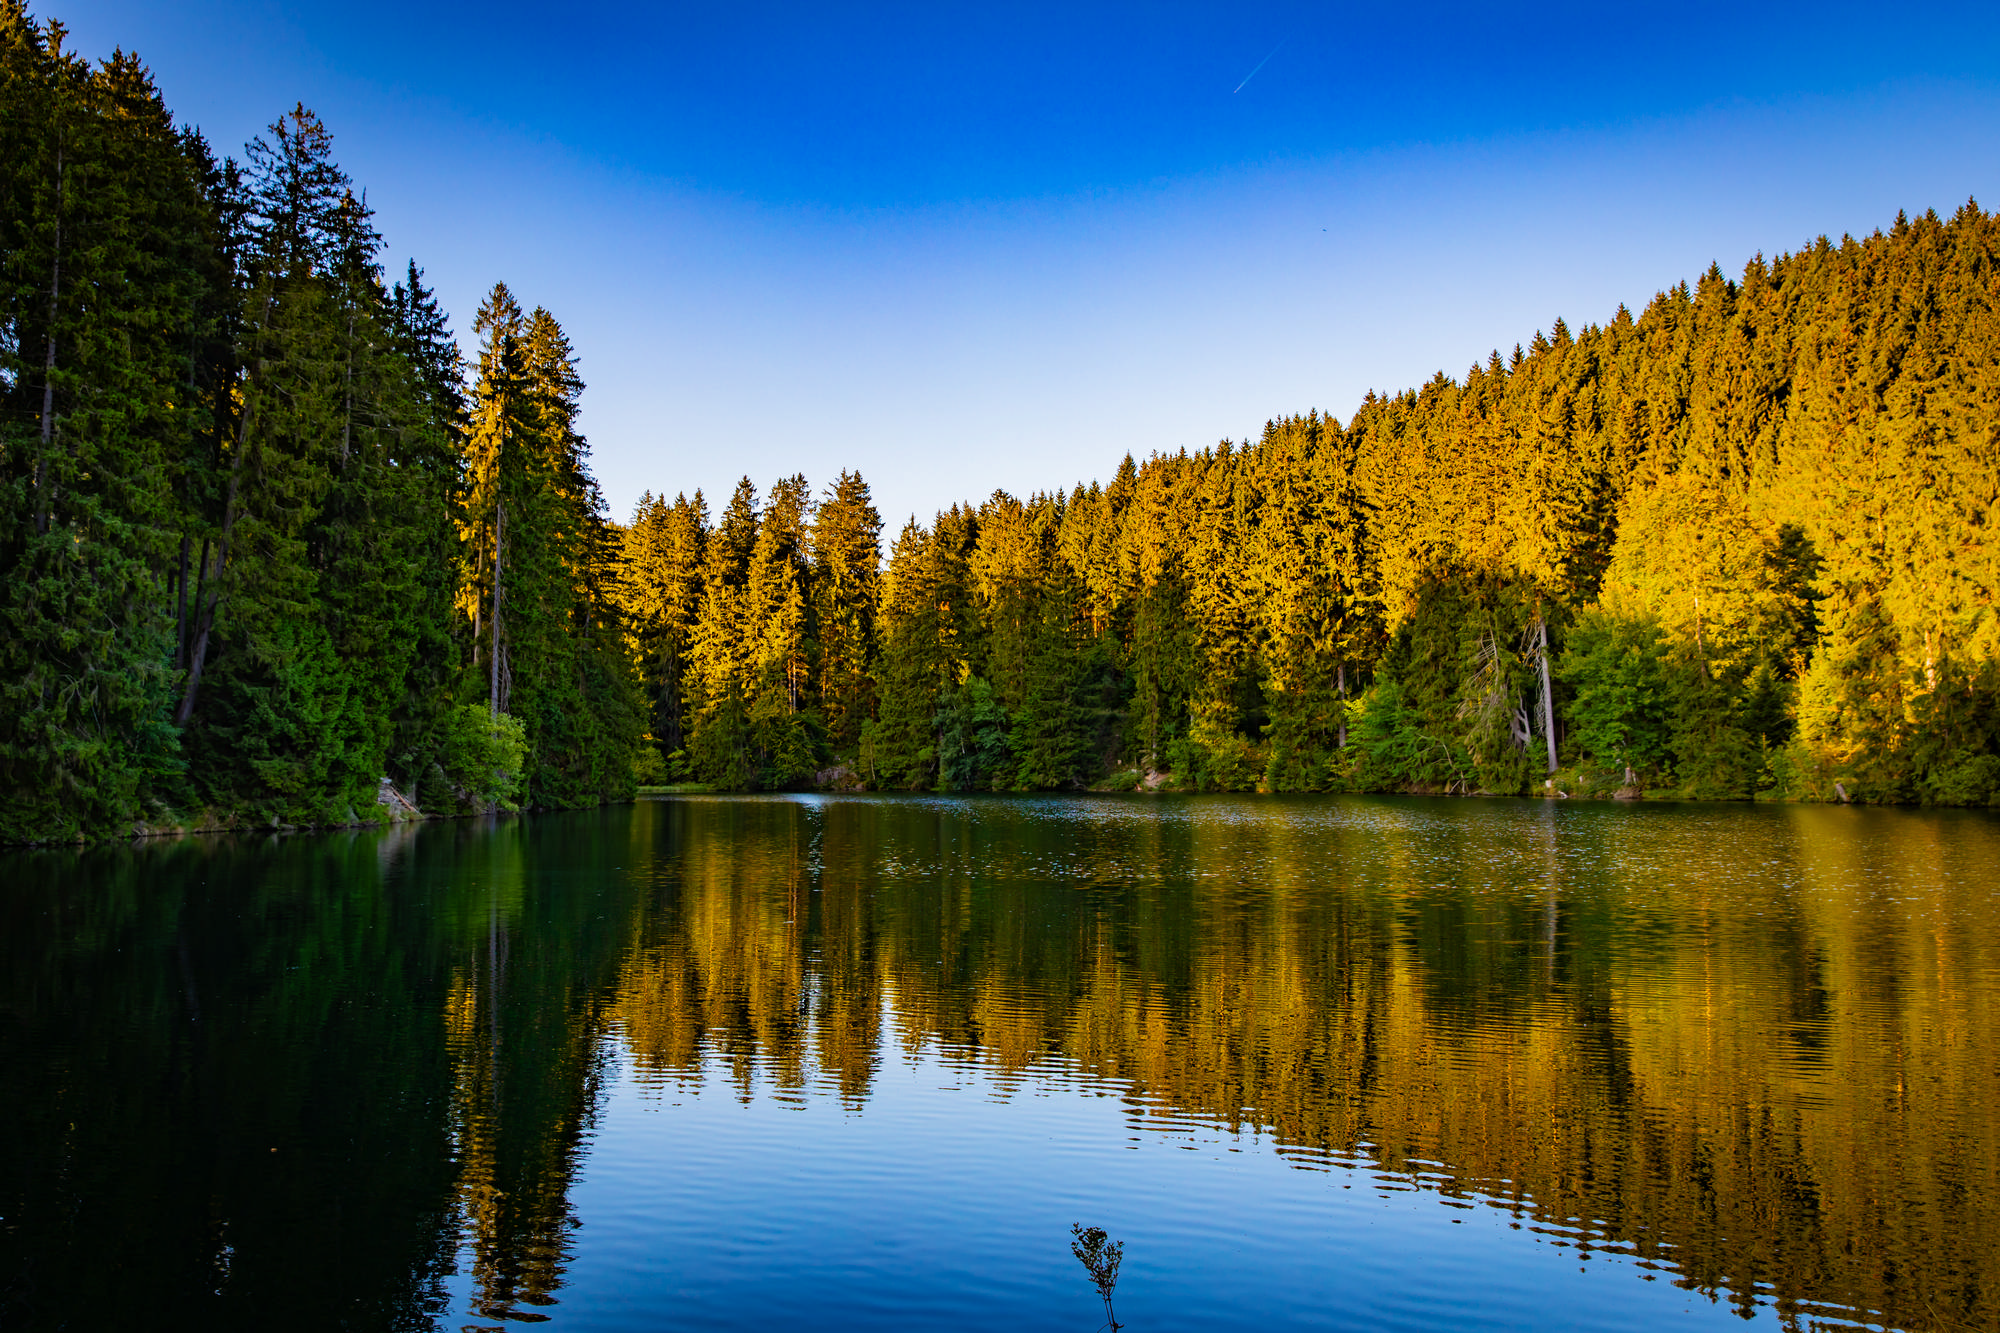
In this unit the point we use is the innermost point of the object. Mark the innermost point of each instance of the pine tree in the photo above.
(925, 605)
(847, 589)
(276, 720)
(102, 265)
(719, 741)
(660, 588)
(423, 452)
(782, 635)
(548, 638)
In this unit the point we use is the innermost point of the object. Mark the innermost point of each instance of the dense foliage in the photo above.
(244, 496)
(266, 540)
(1735, 546)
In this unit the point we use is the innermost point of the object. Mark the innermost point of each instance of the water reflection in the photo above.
(1752, 1049)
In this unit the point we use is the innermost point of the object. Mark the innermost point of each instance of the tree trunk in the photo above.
(347, 389)
(43, 482)
(493, 687)
(181, 604)
(478, 612)
(1548, 697)
(200, 586)
(205, 616)
(1341, 678)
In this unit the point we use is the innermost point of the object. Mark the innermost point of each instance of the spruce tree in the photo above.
(539, 590)
(847, 589)
(719, 742)
(103, 233)
(276, 719)
(782, 636)
(660, 588)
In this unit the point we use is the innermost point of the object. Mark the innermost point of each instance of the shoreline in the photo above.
(145, 832)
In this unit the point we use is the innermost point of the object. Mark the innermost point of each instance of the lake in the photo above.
(862, 1062)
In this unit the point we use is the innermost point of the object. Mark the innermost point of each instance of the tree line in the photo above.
(268, 539)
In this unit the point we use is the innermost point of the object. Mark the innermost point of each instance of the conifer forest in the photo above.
(274, 550)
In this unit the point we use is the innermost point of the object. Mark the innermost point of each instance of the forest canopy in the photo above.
(1735, 546)
(273, 550)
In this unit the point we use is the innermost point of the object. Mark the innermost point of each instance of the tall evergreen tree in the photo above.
(103, 234)
(847, 588)
(539, 590)
(661, 592)
(719, 741)
(275, 716)
(782, 632)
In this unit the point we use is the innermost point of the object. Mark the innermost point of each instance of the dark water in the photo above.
(860, 1063)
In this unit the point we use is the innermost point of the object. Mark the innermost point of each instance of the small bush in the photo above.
(483, 758)
(1212, 757)
(648, 769)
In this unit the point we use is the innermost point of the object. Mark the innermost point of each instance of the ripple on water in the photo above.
(857, 1062)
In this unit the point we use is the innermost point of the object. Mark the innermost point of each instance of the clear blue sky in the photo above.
(961, 247)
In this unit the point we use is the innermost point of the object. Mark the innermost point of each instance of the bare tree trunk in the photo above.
(205, 618)
(43, 482)
(493, 687)
(1548, 698)
(181, 605)
(205, 615)
(347, 387)
(200, 583)
(478, 611)
(1341, 677)
(1700, 647)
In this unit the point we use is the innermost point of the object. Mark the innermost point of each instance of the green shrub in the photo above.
(648, 769)
(483, 758)
(1212, 757)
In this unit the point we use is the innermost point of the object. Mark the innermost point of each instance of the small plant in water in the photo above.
(1100, 1257)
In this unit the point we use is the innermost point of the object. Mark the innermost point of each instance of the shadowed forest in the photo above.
(272, 550)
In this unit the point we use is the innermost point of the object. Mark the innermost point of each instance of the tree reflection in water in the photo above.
(1750, 1048)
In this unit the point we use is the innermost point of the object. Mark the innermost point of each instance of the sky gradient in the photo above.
(962, 248)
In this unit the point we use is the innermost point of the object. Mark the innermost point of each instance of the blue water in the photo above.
(862, 1063)
(946, 1201)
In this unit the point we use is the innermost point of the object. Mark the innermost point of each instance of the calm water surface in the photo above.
(860, 1063)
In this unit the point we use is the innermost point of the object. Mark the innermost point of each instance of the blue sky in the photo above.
(961, 247)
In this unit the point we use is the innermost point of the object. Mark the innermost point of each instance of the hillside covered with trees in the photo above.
(268, 539)
(1735, 546)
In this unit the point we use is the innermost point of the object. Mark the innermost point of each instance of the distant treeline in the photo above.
(266, 539)
(1737, 546)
